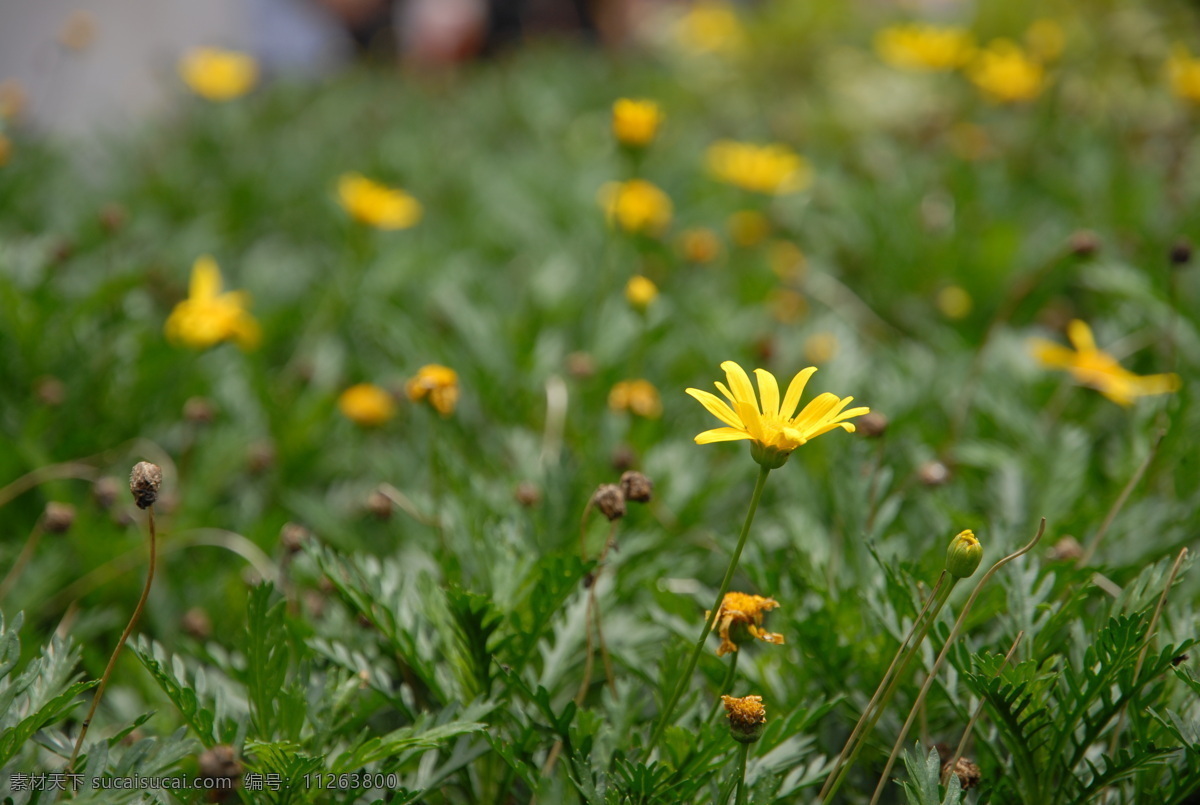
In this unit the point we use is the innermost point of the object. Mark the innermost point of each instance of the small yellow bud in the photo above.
(635, 122)
(963, 555)
(640, 292)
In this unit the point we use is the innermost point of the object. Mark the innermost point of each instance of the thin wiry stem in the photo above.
(962, 744)
(112, 661)
(1137, 670)
(941, 658)
(743, 795)
(887, 687)
(682, 682)
(23, 558)
(1119, 503)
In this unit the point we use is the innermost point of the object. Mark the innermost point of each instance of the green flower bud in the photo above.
(770, 457)
(963, 555)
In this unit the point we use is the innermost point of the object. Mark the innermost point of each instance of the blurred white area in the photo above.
(86, 66)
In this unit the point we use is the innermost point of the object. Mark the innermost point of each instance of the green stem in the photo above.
(742, 794)
(669, 710)
(726, 685)
(941, 594)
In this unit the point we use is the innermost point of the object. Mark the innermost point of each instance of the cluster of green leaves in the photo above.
(448, 643)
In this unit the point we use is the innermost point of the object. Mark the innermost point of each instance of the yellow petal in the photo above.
(768, 390)
(1158, 384)
(721, 435)
(795, 390)
(721, 387)
(739, 381)
(206, 279)
(1081, 336)
(1052, 355)
(816, 410)
(714, 406)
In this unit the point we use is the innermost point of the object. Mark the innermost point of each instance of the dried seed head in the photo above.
(58, 517)
(967, 771)
(933, 473)
(872, 425)
(747, 717)
(105, 491)
(379, 504)
(1181, 253)
(199, 410)
(623, 458)
(260, 456)
(581, 365)
(610, 500)
(50, 391)
(528, 494)
(195, 622)
(293, 536)
(1083, 243)
(1066, 549)
(221, 763)
(636, 487)
(144, 482)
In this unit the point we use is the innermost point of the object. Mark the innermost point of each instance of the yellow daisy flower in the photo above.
(1099, 370)
(208, 316)
(218, 75)
(636, 206)
(376, 204)
(635, 122)
(742, 614)
(438, 384)
(1006, 73)
(367, 405)
(775, 429)
(772, 169)
(924, 48)
(747, 716)
(639, 397)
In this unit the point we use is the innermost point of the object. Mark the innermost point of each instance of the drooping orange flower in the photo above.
(741, 614)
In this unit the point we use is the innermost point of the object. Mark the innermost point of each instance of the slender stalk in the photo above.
(941, 658)
(23, 558)
(743, 796)
(887, 686)
(53, 472)
(112, 661)
(682, 682)
(726, 685)
(962, 744)
(1137, 671)
(1119, 503)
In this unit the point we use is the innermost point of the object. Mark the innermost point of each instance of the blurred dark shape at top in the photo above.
(431, 32)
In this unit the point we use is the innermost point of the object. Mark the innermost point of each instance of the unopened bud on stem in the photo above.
(144, 482)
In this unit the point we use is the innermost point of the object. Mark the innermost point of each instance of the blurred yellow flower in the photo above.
(1045, 39)
(820, 347)
(218, 75)
(640, 291)
(636, 206)
(787, 261)
(12, 99)
(635, 122)
(772, 169)
(776, 429)
(1006, 73)
(740, 615)
(711, 27)
(377, 205)
(748, 227)
(1097, 369)
(78, 31)
(787, 306)
(638, 397)
(437, 384)
(367, 405)
(1183, 70)
(208, 316)
(954, 302)
(924, 48)
(700, 245)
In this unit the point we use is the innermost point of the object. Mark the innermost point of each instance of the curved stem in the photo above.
(665, 719)
(887, 686)
(941, 658)
(22, 559)
(112, 661)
